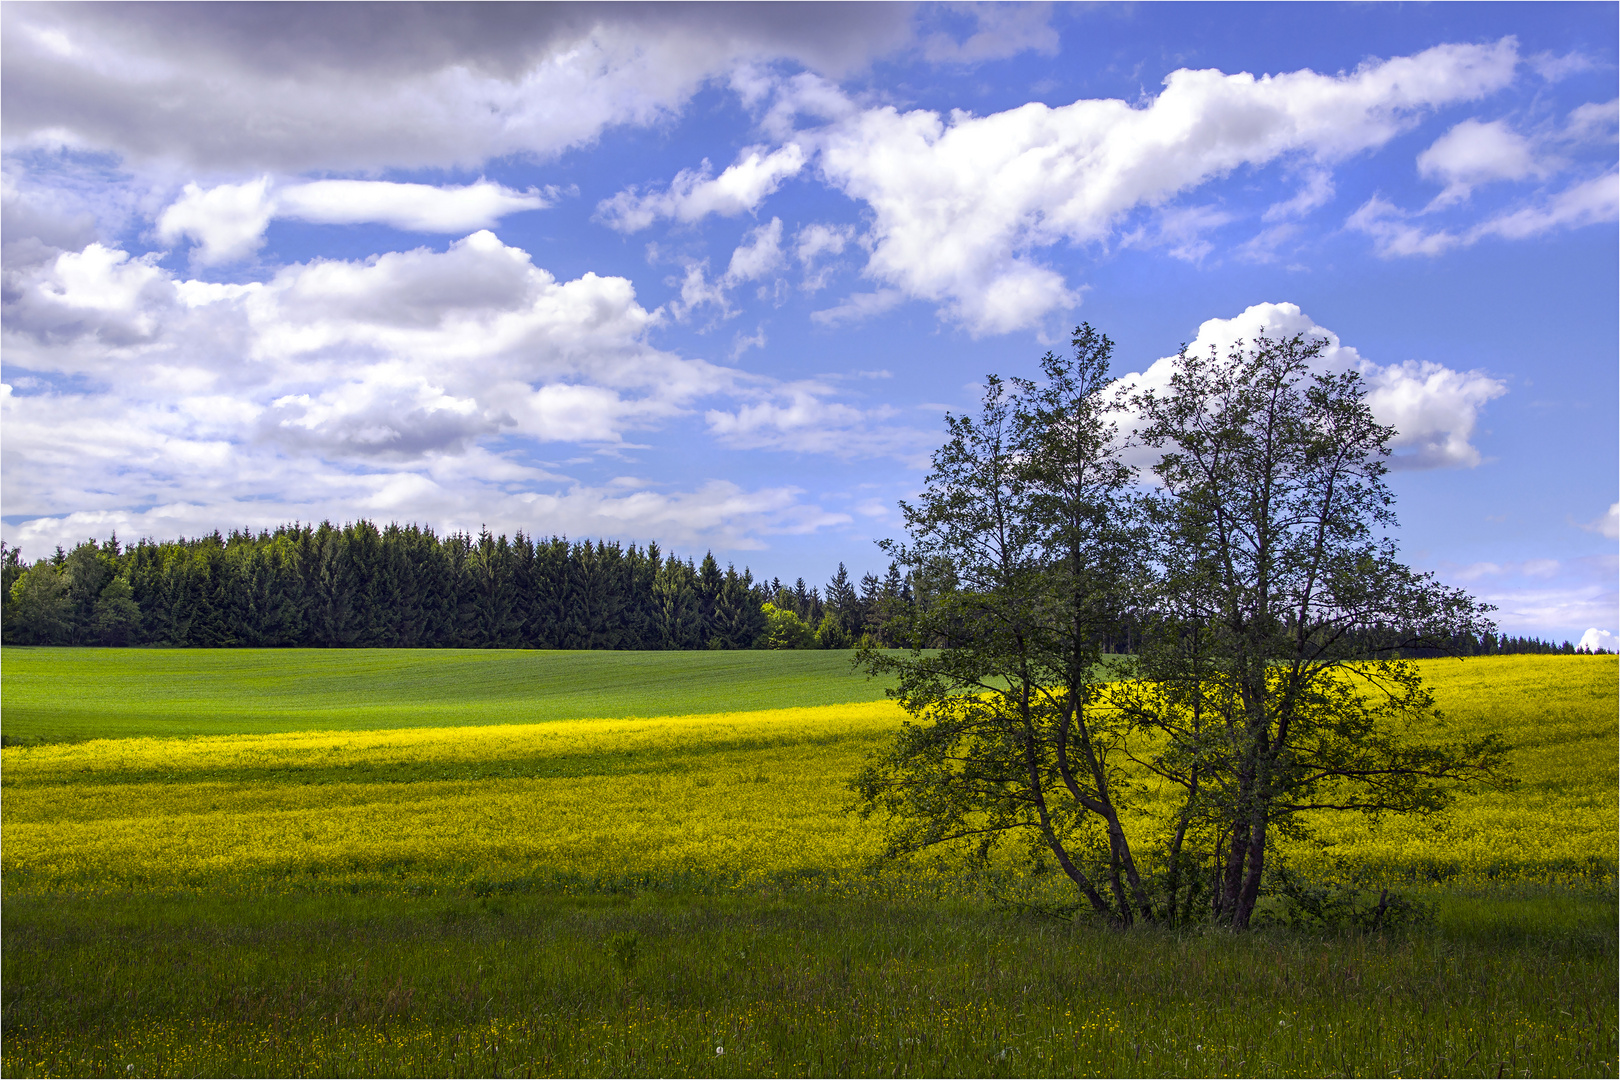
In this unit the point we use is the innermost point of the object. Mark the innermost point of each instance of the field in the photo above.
(520, 863)
(71, 694)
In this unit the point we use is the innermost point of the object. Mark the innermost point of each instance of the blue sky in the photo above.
(713, 275)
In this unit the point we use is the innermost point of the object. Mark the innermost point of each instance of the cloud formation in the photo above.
(228, 221)
(1433, 408)
(1397, 233)
(693, 195)
(247, 87)
(961, 204)
(1474, 153)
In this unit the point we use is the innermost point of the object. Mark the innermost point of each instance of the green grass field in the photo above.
(73, 694)
(379, 863)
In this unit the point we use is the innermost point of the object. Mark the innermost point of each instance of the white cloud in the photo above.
(382, 363)
(1592, 122)
(1554, 68)
(1591, 202)
(412, 207)
(797, 417)
(858, 308)
(1395, 233)
(228, 221)
(1182, 230)
(1000, 31)
(1599, 641)
(1607, 524)
(1548, 598)
(815, 241)
(694, 194)
(410, 384)
(818, 239)
(1316, 190)
(759, 254)
(961, 203)
(1433, 408)
(1474, 153)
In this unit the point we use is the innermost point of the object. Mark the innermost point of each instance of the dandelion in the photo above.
(719, 1050)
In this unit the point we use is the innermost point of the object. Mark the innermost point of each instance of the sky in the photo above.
(714, 275)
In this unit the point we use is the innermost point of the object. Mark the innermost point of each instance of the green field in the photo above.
(589, 864)
(69, 694)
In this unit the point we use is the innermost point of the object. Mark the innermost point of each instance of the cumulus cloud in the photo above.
(228, 221)
(1433, 409)
(815, 242)
(961, 203)
(391, 359)
(818, 239)
(416, 384)
(694, 194)
(758, 256)
(1597, 640)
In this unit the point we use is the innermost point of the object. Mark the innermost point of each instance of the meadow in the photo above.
(53, 695)
(657, 874)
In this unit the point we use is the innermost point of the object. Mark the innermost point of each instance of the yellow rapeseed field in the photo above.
(727, 800)
(728, 797)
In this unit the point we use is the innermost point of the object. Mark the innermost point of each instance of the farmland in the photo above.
(510, 863)
(57, 694)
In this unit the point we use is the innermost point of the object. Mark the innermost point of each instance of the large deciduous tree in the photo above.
(1273, 685)
(1021, 540)
(1260, 564)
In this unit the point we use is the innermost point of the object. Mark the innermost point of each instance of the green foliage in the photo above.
(41, 608)
(1277, 605)
(1020, 543)
(832, 634)
(785, 630)
(362, 587)
(1271, 611)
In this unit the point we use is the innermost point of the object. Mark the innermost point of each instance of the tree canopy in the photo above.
(1273, 610)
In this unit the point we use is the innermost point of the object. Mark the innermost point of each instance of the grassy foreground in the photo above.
(670, 985)
(626, 896)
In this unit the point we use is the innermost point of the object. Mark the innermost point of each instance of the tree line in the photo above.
(403, 586)
(358, 585)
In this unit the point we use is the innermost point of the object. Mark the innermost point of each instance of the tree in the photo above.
(1021, 537)
(785, 630)
(1261, 571)
(1262, 687)
(117, 616)
(40, 611)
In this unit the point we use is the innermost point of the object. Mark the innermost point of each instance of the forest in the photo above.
(358, 585)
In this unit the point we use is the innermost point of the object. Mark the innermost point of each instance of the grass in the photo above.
(593, 896)
(748, 986)
(74, 694)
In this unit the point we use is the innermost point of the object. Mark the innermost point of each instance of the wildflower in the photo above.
(719, 1050)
